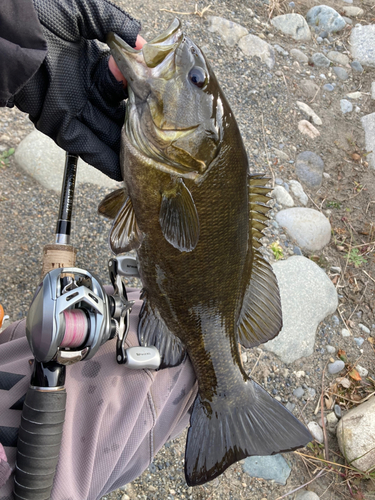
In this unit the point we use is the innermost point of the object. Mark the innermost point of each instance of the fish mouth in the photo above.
(151, 61)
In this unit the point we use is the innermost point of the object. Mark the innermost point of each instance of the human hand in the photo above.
(73, 98)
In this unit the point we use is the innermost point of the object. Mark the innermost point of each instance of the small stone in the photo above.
(338, 57)
(306, 109)
(330, 349)
(329, 87)
(347, 20)
(320, 60)
(125, 497)
(364, 328)
(373, 90)
(229, 31)
(332, 421)
(311, 392)
(316, 431)
(281, 154)
(290, 406)
(341, 73)
(244, 357)
(345, 332)
(298, 192)
(252, 45)
(268, 467)
(297, 251)
(354, 95)
(356, 66)
(306, 495)
(352, 11)
(309, 169)
(307, 128)
(325, 18)
(337, 410)
(336, 367)
(359, 341)
(281, 50)
(362, 371)
(299, 56)
(309, 88)
(298, 393)
(346, 106)
(282, 196)
(293, 25)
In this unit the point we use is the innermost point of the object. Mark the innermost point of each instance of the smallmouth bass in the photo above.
(195, 214)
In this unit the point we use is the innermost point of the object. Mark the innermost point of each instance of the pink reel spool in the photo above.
(76, 328)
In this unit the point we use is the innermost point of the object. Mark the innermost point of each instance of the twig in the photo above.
(326, 453)
(260, 355)
(342, 319)
(360, 300)
(265, 149)
(368, 276)
(359, 192)
(196, 12)
(322, 460)
(316, 93)
(351, 400)
(300, 487)
(312, 201)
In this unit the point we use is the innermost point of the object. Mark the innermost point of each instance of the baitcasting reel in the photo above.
(72, 315)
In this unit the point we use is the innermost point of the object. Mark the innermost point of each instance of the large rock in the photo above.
(41, 158)
(325, 18)
(309, 228)
(229, 31)
(252, 46)
(307, 297)
(362, 44)
(356, 435)
(293, 25)
(368, 123)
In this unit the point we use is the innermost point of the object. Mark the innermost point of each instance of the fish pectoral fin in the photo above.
(178, 217)
(112, 203)
(260, 318)
(225, 430)
(125, 234)
(152, 330)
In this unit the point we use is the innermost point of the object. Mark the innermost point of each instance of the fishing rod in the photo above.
(70, 317)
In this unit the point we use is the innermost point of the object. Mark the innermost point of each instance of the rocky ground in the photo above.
(306, 111)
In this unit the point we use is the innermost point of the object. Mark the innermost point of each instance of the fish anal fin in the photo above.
(112, 203)
(152, 330)
(260, 318)
(125, 234)
(178, 217)
(223, 431)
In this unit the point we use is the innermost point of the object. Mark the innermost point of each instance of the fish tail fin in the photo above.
(225, 430)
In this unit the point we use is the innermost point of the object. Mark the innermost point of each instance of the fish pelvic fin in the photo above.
(224, 431)
(178, 217)
(260, 318)
(152, 330)
(112, 203)
(125, 234)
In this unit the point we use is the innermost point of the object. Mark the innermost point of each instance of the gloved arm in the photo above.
(73, 97)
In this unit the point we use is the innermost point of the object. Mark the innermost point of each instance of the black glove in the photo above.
(73, 97)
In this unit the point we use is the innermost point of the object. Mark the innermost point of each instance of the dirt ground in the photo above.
(265, 107)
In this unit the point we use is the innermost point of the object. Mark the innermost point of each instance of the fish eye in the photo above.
(197, 76)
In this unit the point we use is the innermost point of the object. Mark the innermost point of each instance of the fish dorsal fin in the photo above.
(260, 318)
(178, 217)
(112, 203)
(257, 207)
(152, 330)
(125, 234)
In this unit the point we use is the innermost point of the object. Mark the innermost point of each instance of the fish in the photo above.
(194, 214)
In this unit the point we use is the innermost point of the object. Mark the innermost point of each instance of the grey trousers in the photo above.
(117, 419)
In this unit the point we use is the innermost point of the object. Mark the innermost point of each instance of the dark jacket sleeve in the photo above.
(22, 46)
